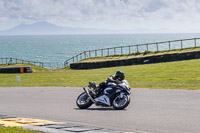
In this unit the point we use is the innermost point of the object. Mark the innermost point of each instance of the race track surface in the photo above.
(150, 110)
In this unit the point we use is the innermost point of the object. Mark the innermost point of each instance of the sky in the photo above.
(150, 15)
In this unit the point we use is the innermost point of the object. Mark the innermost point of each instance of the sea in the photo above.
(55, 49)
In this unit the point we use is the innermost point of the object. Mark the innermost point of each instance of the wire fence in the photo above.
(17, 61)
(157, 46)
(53, 65)
(48, 65)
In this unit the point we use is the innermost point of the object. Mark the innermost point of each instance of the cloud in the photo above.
(110, 14)
(154, 5)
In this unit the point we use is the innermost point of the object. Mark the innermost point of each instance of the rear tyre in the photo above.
(121, 103)
(83, 101)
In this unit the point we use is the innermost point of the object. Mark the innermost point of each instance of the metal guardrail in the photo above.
(17, 61)
(48, 65)
(156, 46)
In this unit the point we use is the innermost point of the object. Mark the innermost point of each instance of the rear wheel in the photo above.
(83, 101)
(121, 103)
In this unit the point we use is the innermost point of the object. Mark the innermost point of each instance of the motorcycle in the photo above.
(113, 95)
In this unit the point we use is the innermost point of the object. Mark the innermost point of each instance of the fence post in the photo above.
(195, 43)
(129, 49)
(181, 44)
(121, 50)
(6, 61)
(89, 54)
(108, 52)
(157, 47)
(95, 53)
(147, 47)
(101, 52)
(169, 46)
(66, 64)
(137, 49)
(77, 58)
(10, 61)
(114, 52)
(73, 59)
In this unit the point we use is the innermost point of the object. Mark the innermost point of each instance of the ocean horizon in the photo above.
(55, 49)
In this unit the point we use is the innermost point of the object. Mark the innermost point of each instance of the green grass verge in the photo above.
(138, 54)
(171, 75)
(15, 130)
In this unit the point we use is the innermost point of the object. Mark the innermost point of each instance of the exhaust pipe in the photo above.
(87, 92)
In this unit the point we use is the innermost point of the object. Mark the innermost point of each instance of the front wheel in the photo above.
(121, 103)
(83, 101)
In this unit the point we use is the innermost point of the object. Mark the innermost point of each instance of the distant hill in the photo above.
(44, 28)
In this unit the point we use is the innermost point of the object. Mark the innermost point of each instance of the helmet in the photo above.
(120, 75)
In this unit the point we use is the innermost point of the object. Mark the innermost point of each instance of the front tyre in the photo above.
(121, 103)
(83, 101)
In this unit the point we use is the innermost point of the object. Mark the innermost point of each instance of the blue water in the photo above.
(56, 49)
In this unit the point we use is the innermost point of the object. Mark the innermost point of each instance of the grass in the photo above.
(34, 67)
(15, 130)
(138, 54)
(171, 75)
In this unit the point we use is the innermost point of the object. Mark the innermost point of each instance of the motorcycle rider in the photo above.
(117, 78)
(107, 87)
(112, 80)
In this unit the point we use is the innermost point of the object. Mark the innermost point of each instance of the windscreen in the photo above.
(126, 82)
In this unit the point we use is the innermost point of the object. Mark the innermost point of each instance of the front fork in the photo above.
(87, 92)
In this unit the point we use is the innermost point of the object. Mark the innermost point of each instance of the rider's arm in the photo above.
(111, 79)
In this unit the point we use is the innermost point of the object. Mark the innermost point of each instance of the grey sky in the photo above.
(171, 15)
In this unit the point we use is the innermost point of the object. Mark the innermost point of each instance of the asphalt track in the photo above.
(150, 110)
